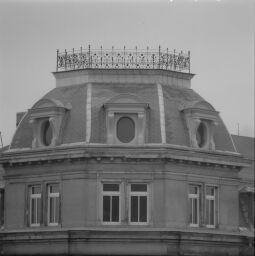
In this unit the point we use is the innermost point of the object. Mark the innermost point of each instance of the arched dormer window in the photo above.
(201, 119)
(47, 117)
(125, 119)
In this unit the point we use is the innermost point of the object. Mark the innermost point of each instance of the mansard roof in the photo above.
(74, 94)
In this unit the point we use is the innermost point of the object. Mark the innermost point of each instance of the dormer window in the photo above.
(46, 133)
(201, 120)
(47, 118)
(125, 120)
(202, 135)
(125, 129)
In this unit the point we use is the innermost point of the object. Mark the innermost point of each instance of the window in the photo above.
(53, 204)
(111, 203)
(1, 207)
(46, 133)
(125, 120)
(35, 205)
(125, 129)
(210, 207)
(138, 204)
(194, 201)
(201, 135)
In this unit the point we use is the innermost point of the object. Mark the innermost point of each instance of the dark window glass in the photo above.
(193, 189)
(139, 187)
(125, 129)
(36, 189)
(210, 190)
(106, 208)
(211, 212)
(201, 135)
(46, 133)
(1, 207)
(115, 208)
(143, 209)
(134, 208)
(111, 187)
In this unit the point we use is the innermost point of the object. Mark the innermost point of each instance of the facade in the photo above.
(124, 158)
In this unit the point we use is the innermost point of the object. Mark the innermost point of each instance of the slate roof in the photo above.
(75, 128)
(245, 146)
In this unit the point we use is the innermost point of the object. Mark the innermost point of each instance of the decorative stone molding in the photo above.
(201, 120)
(125, 105)
(50, 111)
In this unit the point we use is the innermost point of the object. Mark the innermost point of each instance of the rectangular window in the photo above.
(35, 205)
(210, 206)
(1, 207)
(194, 200)
(53, 204)
(138, 203)
(111, 203)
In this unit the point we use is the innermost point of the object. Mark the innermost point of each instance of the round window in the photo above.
(125, 129)
(46, 133)
(201, 135)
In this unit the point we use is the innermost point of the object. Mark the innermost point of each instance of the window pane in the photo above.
(38, 217)
(47, 133)
(106, 208)
(33, 211)
(111, 187)
(139, 187)
(143, 209)
(211, 212)
(51, 211)
(193, 189)
(195, 211)
(115, 208)
(57, 210)
(125, 129)
(54, 188)
(207, 210)
(36, 189)
(134, 209)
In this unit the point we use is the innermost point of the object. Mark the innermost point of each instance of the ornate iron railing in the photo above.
(123, 59)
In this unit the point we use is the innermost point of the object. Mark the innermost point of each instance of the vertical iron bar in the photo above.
(147, 53)
(124, 58)
(174, 61)
(80, 60)
(189, 60)
(112, 55)
(57, 61)
(101, 53)
(136, 57)
(167, 56)
(65, 58)
(89, 58)
(159, 57)
(73, 60)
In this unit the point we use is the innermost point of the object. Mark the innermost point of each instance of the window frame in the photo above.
(198, 198)
(211, 198)
(139, 194)
(31, 197)
(49, 196)
(111, 194)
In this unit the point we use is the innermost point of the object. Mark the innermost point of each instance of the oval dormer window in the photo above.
(125, 129)
(46, 133)
(201, 135)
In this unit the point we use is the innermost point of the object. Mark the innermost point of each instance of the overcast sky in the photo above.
(219, 34)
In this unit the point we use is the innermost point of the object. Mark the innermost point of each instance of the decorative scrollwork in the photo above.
(123, 59)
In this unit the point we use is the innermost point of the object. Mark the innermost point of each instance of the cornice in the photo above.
(117, 153)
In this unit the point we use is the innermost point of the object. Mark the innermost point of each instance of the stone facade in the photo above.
(154, 174)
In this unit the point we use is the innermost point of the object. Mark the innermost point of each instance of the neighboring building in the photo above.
(124, 158)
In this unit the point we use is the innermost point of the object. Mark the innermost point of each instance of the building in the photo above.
(124, 158)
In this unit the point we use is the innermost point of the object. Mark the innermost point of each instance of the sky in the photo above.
(218, 33)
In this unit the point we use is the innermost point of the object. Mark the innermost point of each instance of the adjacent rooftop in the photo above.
(123, 59)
